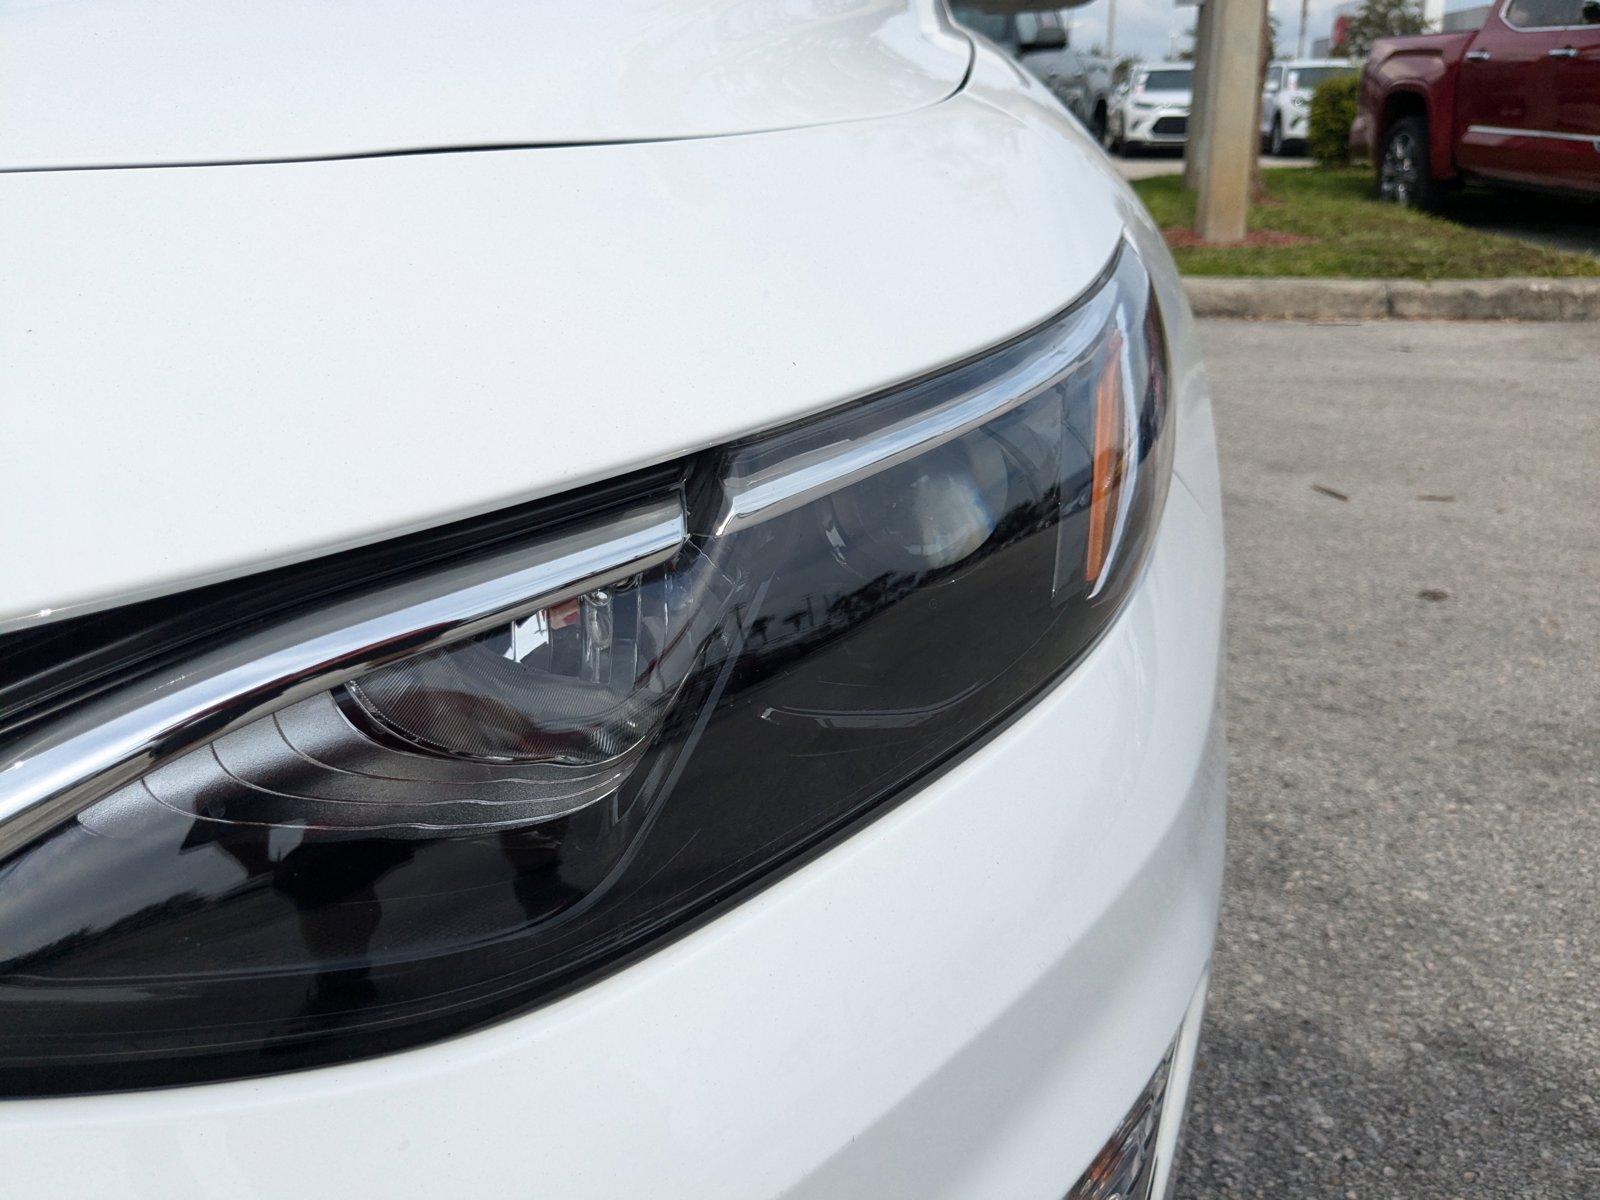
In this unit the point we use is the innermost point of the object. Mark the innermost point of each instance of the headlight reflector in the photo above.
(392, 818)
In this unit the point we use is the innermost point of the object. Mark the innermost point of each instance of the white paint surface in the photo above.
(119, 82)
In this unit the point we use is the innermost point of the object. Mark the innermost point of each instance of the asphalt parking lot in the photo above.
(1406, 998)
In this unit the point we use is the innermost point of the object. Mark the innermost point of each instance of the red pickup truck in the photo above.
(1517, 101)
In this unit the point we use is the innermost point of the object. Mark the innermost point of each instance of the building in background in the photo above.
(1343, 14)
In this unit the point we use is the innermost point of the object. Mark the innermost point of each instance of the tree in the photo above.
(1377, 19)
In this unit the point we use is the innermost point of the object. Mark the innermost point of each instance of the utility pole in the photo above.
(1111, 30)
(1302, 47)
(1232, 140)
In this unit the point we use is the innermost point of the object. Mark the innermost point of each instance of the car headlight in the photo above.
(354, 819)
(1301, 101)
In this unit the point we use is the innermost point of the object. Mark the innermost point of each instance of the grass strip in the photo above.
(1316, 223)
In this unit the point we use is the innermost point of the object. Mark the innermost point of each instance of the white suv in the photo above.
(591, 604)
(1286, 102)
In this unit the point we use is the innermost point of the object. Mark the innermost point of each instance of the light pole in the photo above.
(1230, 136)
(1305, 17)
(1111, 29)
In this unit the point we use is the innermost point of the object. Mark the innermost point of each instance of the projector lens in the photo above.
(929, 513)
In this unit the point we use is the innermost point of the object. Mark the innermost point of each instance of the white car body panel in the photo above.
(183, 81)
(332, 353)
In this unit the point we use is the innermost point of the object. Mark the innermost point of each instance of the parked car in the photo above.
(591, 616)
(1082, 82)
(1152, 108)
(1286, 102)
(1515, 102)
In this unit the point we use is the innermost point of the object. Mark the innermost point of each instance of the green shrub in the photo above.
(1333, 111)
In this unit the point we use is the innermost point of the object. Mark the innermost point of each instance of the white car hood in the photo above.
(1165, 99)
(166, 82)
(215, 370)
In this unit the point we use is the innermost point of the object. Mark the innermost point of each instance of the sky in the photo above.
(1145, 27)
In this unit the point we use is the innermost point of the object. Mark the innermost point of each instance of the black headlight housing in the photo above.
(391, 814)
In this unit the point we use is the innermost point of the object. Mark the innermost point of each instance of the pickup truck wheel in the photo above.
(1404, 176)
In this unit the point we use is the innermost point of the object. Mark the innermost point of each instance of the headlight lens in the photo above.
(404, 814)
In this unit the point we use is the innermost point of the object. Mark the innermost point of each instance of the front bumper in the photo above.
(1165, 126)
(962, 1000)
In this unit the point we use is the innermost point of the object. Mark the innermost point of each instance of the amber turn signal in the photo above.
(1110, 460)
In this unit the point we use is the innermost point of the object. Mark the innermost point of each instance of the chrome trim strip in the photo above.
(789, 485)
(1501, 131)
(106, 743)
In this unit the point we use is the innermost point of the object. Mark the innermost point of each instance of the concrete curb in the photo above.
(1278, 299)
